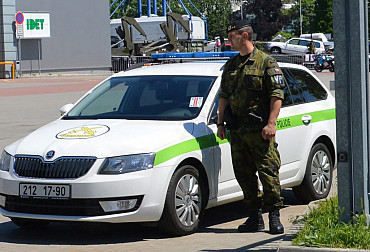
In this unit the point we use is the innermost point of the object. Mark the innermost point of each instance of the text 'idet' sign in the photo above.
(32, 25)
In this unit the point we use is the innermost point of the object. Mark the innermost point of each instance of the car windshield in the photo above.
(145, 98)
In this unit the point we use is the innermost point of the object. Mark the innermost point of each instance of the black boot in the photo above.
(274, 222)
(253, 223)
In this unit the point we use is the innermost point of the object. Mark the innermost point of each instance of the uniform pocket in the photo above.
(252, 82)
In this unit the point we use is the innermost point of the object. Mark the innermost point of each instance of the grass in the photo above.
(322, 228)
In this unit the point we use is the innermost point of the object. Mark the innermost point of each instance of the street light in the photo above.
(300, 14)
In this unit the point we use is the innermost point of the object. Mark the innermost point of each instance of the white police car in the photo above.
(142, 147)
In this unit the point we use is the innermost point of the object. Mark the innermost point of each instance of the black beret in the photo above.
(238, 24)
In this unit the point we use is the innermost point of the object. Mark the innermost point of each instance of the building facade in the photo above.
(78, 42)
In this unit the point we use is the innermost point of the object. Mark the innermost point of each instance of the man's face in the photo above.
(236, 40)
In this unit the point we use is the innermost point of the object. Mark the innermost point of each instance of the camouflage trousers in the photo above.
(252, 155)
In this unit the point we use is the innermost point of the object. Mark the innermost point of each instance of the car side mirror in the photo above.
(64, 109)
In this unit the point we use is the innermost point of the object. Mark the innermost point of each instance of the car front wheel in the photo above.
(275, 50)
(184, 204)
(318, 177)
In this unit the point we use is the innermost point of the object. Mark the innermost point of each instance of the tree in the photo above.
(265, 16)
(323, 19)
(218, 14)
(317, 16)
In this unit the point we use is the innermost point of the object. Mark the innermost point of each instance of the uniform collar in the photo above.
(252, 57)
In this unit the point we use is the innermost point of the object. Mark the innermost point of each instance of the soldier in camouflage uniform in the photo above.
(252, 84)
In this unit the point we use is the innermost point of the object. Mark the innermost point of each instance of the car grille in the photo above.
(62, 168)
(66, 207)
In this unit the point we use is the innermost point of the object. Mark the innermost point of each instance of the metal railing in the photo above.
(300, 59)
(122, 63)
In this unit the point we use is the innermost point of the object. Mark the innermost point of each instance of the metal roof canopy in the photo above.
(352, 105)
(154, 9)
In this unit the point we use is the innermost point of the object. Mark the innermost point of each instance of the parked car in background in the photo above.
(142, 147)
(295, 46)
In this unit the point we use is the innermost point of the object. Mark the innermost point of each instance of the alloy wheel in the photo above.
(188, 200)
(320, 172)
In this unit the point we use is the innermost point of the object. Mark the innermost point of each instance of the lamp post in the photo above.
(300, 14)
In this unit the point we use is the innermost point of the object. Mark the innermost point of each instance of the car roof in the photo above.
(194, 68)
(308, 39)
(201, 68)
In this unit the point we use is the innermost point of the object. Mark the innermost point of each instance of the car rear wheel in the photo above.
(319, 175)
(29, 223)
(184, 204)
(276, 50)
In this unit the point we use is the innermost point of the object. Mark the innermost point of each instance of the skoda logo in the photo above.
(50, 154)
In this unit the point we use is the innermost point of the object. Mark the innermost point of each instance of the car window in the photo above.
(145, 98)
(292, 93)
(294, 42)
(308, 85)
(317, 44)
(303, 42)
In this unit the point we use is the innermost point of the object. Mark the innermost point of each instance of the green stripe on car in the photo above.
(294, 121)
(212, 140)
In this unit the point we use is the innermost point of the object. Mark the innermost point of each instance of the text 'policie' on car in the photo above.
(142, 147)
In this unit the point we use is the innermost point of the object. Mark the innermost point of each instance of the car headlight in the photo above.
(125, 164)
(5, 161)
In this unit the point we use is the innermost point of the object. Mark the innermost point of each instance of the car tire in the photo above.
(275, 50)
(318, 178)
(29, 223)
(185, 202)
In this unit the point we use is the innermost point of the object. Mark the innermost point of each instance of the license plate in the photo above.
(47, 191)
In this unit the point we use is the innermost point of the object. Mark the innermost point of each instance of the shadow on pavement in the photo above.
(253, 245)
(102, 233)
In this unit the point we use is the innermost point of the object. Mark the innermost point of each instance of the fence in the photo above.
(122, 63)
(300, 59)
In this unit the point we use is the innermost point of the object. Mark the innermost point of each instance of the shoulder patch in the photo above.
(274, 71)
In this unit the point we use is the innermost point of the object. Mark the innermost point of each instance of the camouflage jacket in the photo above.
(250, 85)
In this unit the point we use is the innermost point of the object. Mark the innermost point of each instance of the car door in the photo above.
(223, 172)
(292, 46)
(295, 121)
(303, 46)
(293, 127)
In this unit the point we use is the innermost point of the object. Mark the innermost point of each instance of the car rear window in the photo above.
(302, 84)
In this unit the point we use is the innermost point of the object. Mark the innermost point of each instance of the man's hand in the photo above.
(221, 132)
(269, 131)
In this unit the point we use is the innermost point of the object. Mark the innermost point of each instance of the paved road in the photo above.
(28, 103)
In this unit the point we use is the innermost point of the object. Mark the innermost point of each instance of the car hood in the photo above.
(101, 138)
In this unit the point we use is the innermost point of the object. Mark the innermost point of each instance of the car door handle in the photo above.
(306, 119)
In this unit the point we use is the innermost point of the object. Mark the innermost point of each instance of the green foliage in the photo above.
(266, 17)
(323, 228)
(285, 34)
(317, 16)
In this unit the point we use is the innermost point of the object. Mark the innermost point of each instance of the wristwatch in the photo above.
(220, 124)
